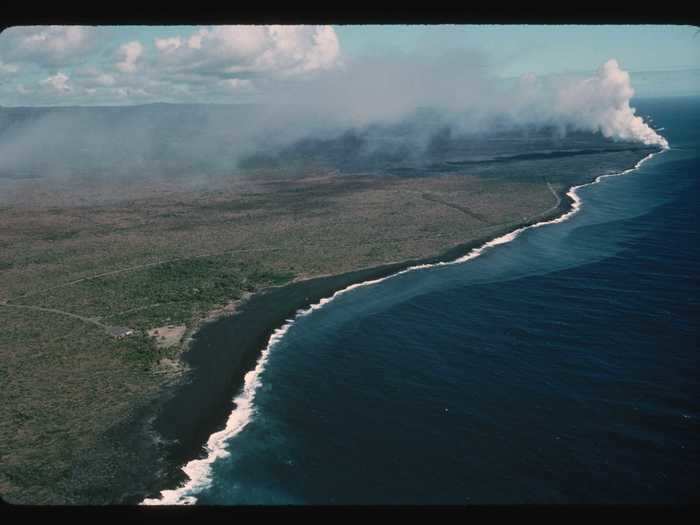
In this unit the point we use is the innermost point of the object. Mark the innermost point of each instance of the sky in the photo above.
(123, 65)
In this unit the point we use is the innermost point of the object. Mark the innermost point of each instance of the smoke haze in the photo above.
(391, 107)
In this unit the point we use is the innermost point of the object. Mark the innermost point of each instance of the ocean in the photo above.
(558, 367)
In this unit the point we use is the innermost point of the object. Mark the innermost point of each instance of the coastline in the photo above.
(223, 350)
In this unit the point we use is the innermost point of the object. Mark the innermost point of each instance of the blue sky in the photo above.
(127, 65)
(541, 49)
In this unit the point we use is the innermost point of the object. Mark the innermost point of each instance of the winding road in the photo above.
(55, 311)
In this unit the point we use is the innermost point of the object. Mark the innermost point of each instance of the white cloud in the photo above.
(239, 83)
(46, 45)
(215, 63)
(8, 68)
(57, 82)
(93, 77)
(130, 53)
(105, 80)
(195, 41)
(304, 51)
(242, 51)
(129, 92)
(168, 44)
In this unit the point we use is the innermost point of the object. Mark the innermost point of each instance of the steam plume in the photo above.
(600, 103)
(362, 96)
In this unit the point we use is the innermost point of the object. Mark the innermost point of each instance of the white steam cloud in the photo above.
(600, 103)
(379, 90)
(356, 104)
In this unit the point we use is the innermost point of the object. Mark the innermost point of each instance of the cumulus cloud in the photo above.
(168, 44)
(250, 51)
(206, 64)
(8, 68)
(239, 83)
(57, 82)
(104, 79)
(46, 45)
(129, 54)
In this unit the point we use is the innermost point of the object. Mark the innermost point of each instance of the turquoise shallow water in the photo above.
(560, 367)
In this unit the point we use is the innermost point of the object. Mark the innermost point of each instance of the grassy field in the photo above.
(80, 254)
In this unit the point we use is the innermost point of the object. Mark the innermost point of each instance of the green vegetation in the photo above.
(63, 384)
(60, 235)
(174, 293)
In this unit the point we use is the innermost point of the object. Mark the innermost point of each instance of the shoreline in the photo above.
(222, 350)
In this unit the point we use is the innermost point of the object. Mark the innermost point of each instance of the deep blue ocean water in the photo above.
(560, 367)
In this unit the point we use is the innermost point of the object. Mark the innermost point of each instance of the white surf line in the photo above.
(199, 470)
